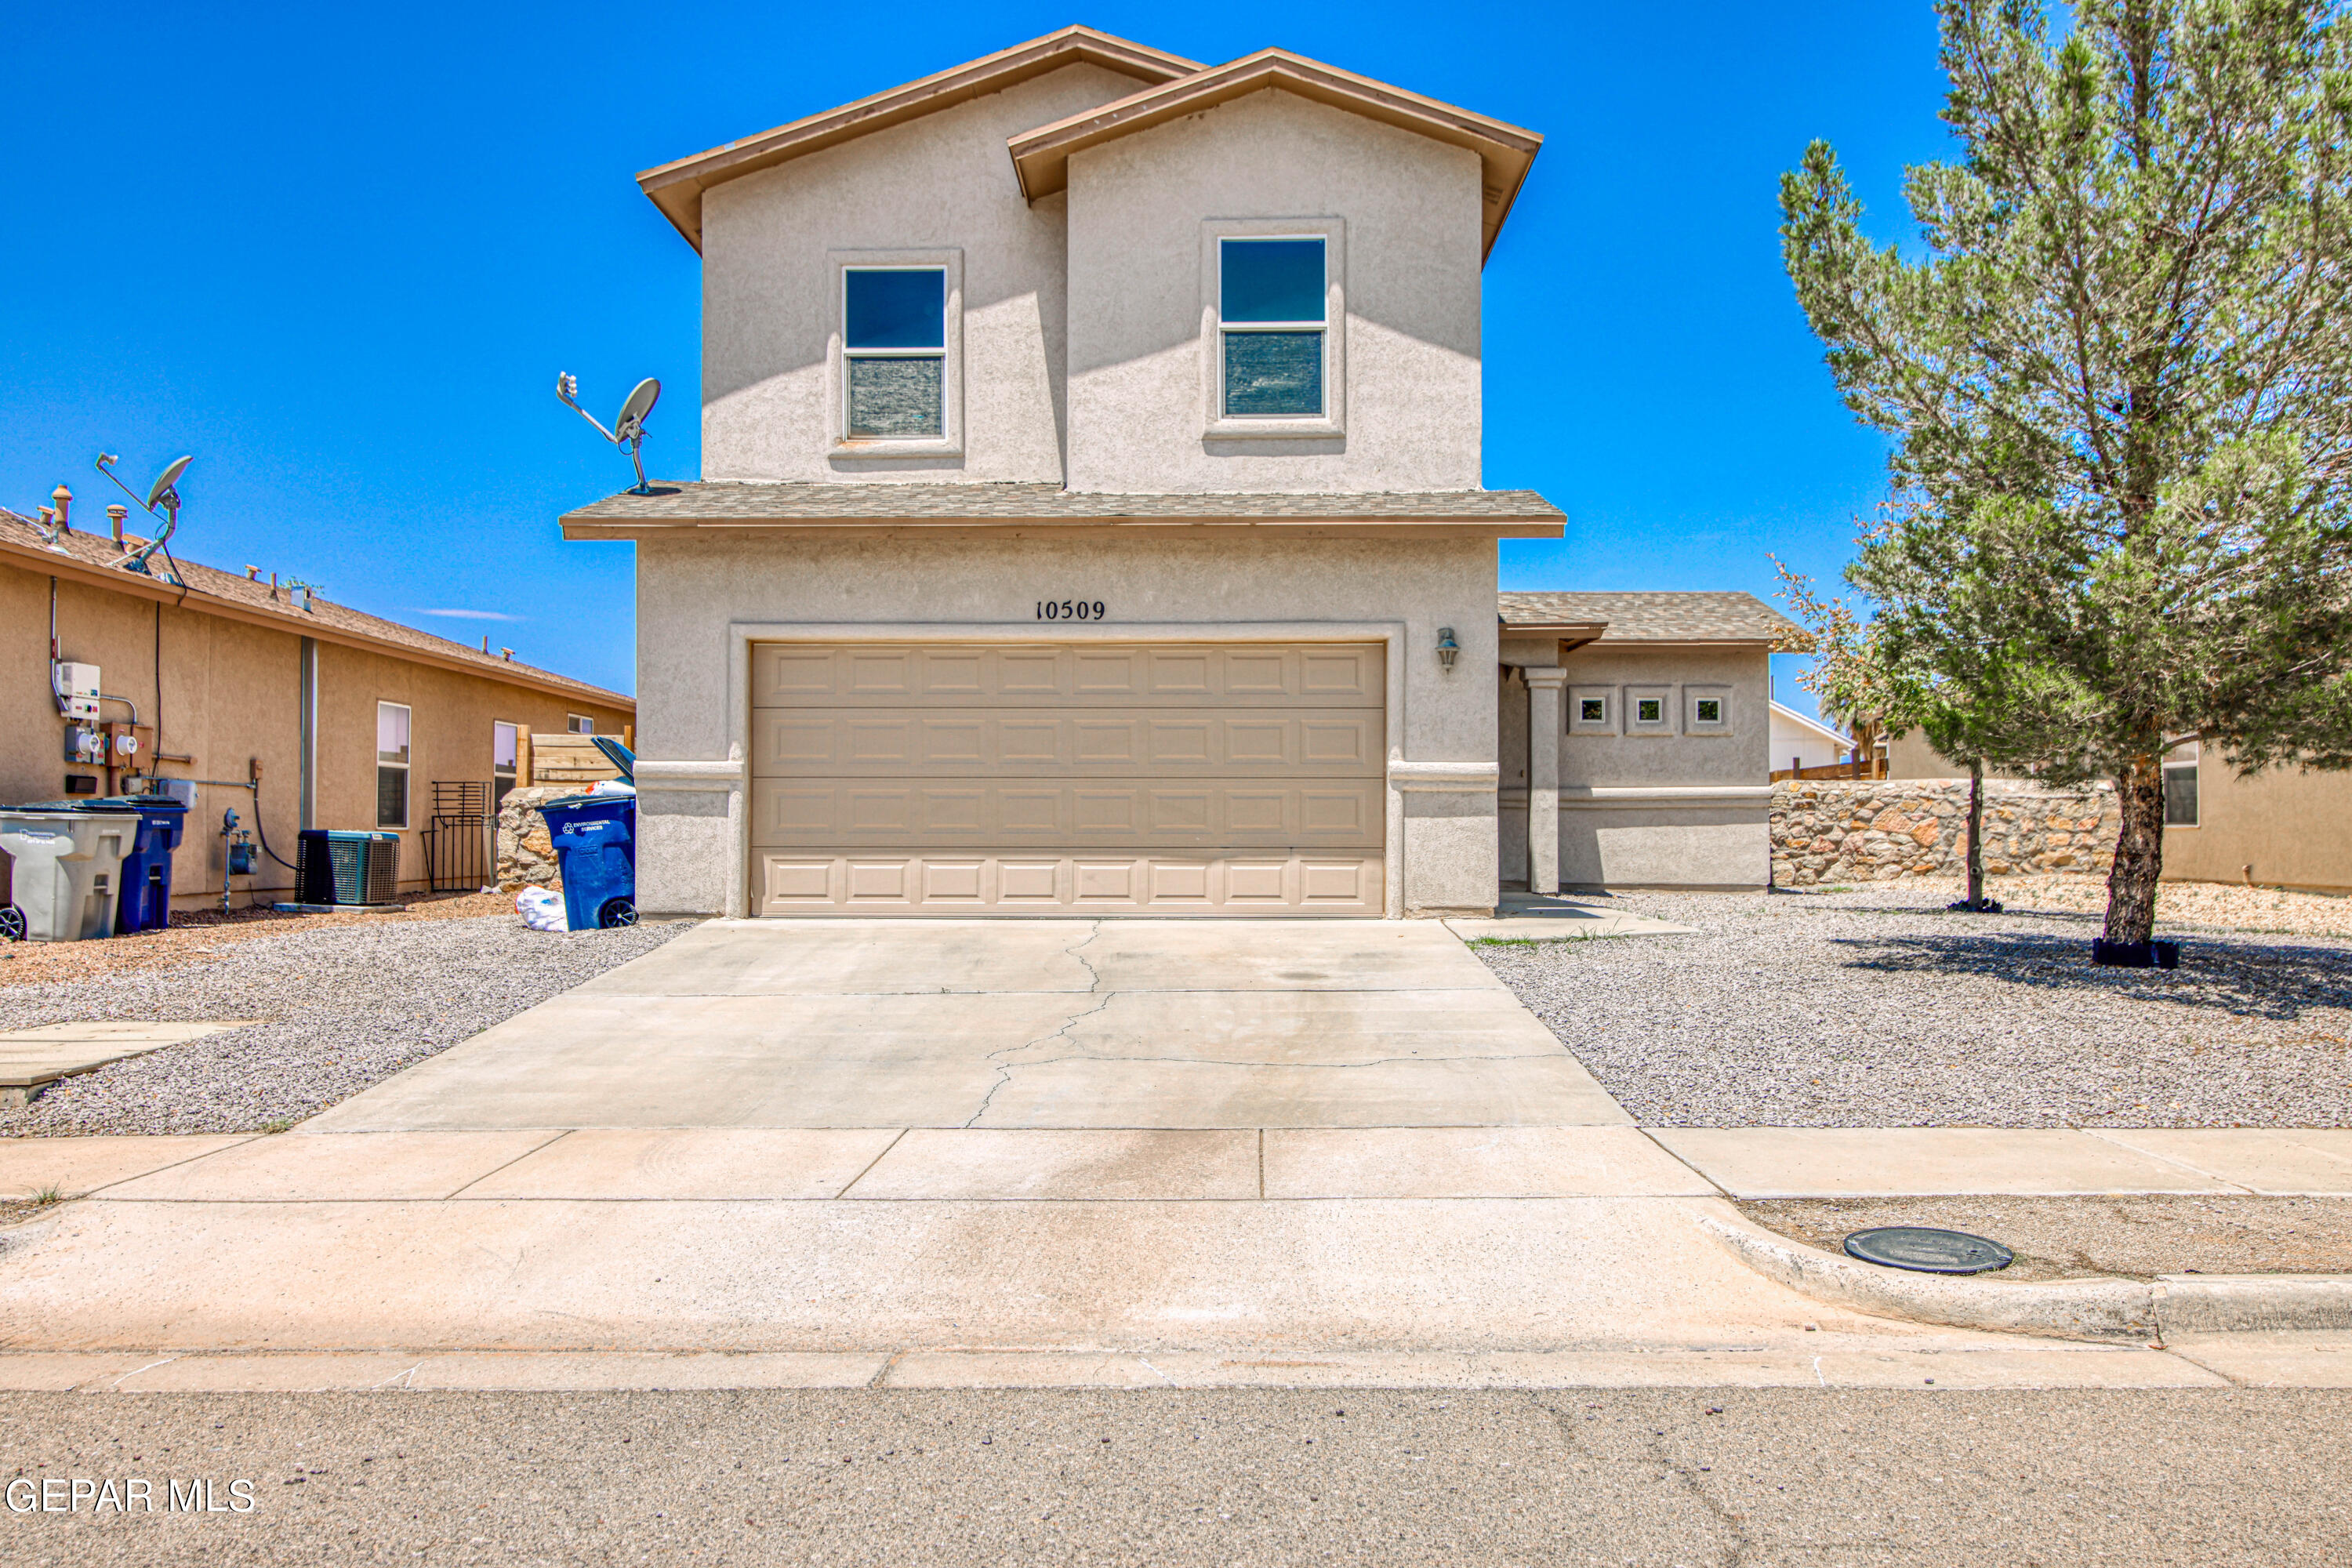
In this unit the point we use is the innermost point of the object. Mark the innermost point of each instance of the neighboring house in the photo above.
(1092, 519)
(1799, 743)
(2282, 827)
(1656, 704)
(344, 720)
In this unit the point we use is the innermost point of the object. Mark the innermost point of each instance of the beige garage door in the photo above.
(1120, 778)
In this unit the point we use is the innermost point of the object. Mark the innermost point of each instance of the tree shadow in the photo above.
(2279, 980)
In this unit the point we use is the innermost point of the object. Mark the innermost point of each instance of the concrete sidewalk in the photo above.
(1432, 1257)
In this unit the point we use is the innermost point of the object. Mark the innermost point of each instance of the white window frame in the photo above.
(580, 723)
(510, 774)
(2187, 757)
(1691, 696)
(885, 449)
(1217, 426)
(1664, 695)
(1578, 696)
(405, 766)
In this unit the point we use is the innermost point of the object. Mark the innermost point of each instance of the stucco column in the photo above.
(1544, 684)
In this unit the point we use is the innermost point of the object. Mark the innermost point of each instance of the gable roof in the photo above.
(1657, 618)
(677, 186)
(92, 558)
(1041, 157)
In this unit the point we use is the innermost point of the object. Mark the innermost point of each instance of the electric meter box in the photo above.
(76, 690)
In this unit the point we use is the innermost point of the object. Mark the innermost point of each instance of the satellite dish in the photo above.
(165, 481)
(632, 420)
(628, 431)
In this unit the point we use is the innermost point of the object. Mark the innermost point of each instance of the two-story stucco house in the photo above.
(1092, 522)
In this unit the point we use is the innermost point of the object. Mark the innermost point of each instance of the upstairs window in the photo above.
(893, 352)
(1271, 314)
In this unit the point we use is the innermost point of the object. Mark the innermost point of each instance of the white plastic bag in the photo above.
(540, 909)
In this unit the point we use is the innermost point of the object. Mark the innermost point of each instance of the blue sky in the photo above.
(340, 253)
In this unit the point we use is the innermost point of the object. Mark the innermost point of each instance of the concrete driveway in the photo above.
(1014, 1024)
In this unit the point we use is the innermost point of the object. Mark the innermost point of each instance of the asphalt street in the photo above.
(1295, 1476)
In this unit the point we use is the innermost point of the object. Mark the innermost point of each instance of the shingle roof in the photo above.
(97, 550)
(1655, 617)
(690, 503)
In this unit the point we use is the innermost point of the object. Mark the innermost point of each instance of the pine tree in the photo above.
(2117, 385)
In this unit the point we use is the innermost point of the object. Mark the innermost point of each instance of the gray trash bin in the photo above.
(68, 867)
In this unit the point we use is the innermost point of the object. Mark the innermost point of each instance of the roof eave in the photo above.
(292, 623)
(583, 525)
(1040, 157)
(677, 187)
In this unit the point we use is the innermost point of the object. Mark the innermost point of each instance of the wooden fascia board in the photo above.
(1041, 158)
(677, 187)
(138, 585)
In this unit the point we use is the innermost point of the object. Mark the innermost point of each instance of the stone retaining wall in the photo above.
(1879, 830)
(526, 854)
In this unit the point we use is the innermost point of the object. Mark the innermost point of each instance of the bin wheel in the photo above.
(616, 912)
(12, 923)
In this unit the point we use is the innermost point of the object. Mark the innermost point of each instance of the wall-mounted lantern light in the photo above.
(1447, 649)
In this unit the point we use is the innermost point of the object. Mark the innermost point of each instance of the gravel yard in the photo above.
(340, 1007)
(1878, 1008)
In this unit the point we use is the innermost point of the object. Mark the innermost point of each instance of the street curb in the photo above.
(2105, 1309)
(2098, 1310)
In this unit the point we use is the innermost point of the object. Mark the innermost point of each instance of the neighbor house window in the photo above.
(2180, 786)
(505, 750)
(893, 352)
(580, 723)
(390, 765)
(1271, 316)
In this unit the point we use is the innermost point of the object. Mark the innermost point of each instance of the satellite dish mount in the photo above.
(628, 431)
(162, 500)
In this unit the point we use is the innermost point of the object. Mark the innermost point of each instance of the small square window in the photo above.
(1650, 710)
(1710, 709)
(1707, 710)
(1591, 709)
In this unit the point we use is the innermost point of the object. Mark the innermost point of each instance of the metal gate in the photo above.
(458, 851)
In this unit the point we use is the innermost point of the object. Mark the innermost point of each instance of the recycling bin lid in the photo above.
(92, 806)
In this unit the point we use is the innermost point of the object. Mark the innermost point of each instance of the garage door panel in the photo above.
(1335, 675)
(1103, 778)
(820, 813)
(862, 882)
(920, 742)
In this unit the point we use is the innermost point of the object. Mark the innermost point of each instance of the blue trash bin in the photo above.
(596, 841)
(146, 900)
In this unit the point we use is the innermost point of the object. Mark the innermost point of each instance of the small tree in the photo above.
(1976, 705)
(2119, 385)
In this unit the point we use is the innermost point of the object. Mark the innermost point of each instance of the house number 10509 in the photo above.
(1070, 609)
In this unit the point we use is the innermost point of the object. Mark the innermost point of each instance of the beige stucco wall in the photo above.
(944, 181)
(2293, 826)
(1663, 811)
(231, 695)
(699, 596)
(1412, 208)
